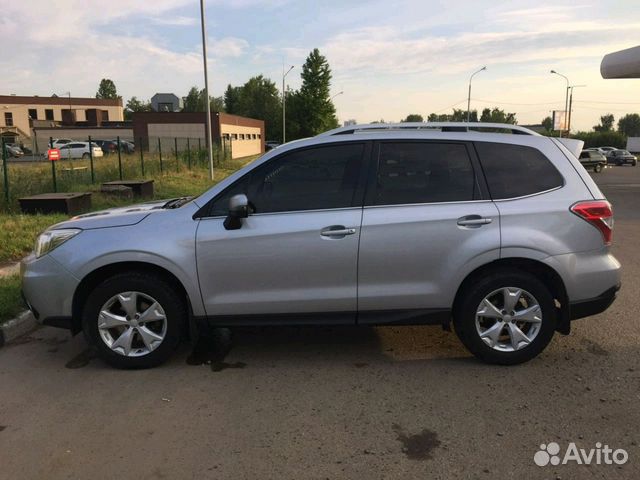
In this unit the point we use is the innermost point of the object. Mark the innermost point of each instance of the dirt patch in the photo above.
(594, 348)
(419, 446)
(2, 427)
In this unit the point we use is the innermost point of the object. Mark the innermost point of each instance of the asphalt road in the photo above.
(334, 402)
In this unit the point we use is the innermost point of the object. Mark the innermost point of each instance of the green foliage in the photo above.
(547, 123)
(497, 115)
(413, 117)
(107, 89)
(135, 105)
(195, 102)
(606, 123)
(458, 115)
(231, 99)
(629, 125)
(601, 139)
(313, 109)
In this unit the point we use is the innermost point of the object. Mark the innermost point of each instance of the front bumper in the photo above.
(47, 289)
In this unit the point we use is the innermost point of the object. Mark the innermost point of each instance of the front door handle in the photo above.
(474, 221)
(337, 231)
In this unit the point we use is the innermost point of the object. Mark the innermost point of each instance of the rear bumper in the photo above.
(593, 306)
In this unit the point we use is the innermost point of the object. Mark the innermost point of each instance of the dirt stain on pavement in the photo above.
(82, 359)
(594, 348)
(2, 427)
(212, 348)
(419, 446)
(360, 364)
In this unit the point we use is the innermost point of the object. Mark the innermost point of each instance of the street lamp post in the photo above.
(566, 98)
(284, 95)
(206, 90)
(570, 106)
(469, 96)
(339, 93)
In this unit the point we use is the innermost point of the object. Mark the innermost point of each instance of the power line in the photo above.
(512, 103)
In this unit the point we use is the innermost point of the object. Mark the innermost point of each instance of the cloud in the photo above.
(178, 21)
(227, 47)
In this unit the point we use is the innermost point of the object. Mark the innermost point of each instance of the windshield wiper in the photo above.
(177, 202)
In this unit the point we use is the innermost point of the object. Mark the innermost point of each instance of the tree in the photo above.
(547, 123)
(135, 105)
(191, 103)
(195, 102)
(316, 110)
(629, 125)
(606, 123)
(231, 98)
(458, 115)
(497, 115)
(413, 117)
(107, 89)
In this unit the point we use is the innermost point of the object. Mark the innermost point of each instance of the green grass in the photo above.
(10, 301)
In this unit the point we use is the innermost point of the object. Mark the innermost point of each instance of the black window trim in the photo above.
(480, 194)
(564, 181)
(203, 213)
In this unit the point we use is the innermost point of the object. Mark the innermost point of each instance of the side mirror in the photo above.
(238, 209)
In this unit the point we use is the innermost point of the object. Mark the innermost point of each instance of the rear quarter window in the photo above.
(516, 170)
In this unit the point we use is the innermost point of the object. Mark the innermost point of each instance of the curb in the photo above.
(16, 327)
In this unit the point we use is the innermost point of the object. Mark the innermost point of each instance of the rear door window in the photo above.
(516, 170)
(423, 172)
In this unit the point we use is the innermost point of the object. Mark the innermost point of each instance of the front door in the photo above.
(296, 255)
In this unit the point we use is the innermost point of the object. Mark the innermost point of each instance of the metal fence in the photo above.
(128, 159)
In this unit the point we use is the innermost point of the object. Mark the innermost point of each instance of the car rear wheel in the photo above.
(597, 168)
(134, 320)
(507, 317)
(85, 155)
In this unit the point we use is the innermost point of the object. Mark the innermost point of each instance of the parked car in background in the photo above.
(593, 159)
(58, 142)
(622, 157)
(607, 150)
(270, 146)
(107, 146)
(80, 150)
(127, 147)
(14, 150)
(362, 225)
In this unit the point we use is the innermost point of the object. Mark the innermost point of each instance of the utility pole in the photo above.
(566, 99)
(570, 106)
(206, 90)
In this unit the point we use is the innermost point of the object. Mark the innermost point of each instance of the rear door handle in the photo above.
(474, 221)
(337, 231)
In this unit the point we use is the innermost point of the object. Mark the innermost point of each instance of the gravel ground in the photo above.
(334, 402)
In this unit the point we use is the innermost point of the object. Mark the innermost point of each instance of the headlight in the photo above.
(51, 239)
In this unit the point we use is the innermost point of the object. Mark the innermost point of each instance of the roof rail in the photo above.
(443, 126)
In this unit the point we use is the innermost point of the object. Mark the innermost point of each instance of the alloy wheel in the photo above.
(508, 319)
(132, 324)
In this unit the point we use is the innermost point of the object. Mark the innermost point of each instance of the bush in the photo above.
(602, 139)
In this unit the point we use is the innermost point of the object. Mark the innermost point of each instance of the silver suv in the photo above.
(506, 235)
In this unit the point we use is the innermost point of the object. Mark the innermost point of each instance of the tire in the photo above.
(619, 163)
(85, 156)
(597, 168)
(149, 343)
(468, 325)
(634, 163)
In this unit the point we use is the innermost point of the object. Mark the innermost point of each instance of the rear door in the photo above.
(427, 223)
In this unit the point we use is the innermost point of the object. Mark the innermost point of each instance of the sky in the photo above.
(390, 58)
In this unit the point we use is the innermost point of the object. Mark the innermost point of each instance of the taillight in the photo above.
(598, 213)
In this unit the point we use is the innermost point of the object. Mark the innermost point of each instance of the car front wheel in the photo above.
(597, 168)
(507, 317)
(134, 320)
